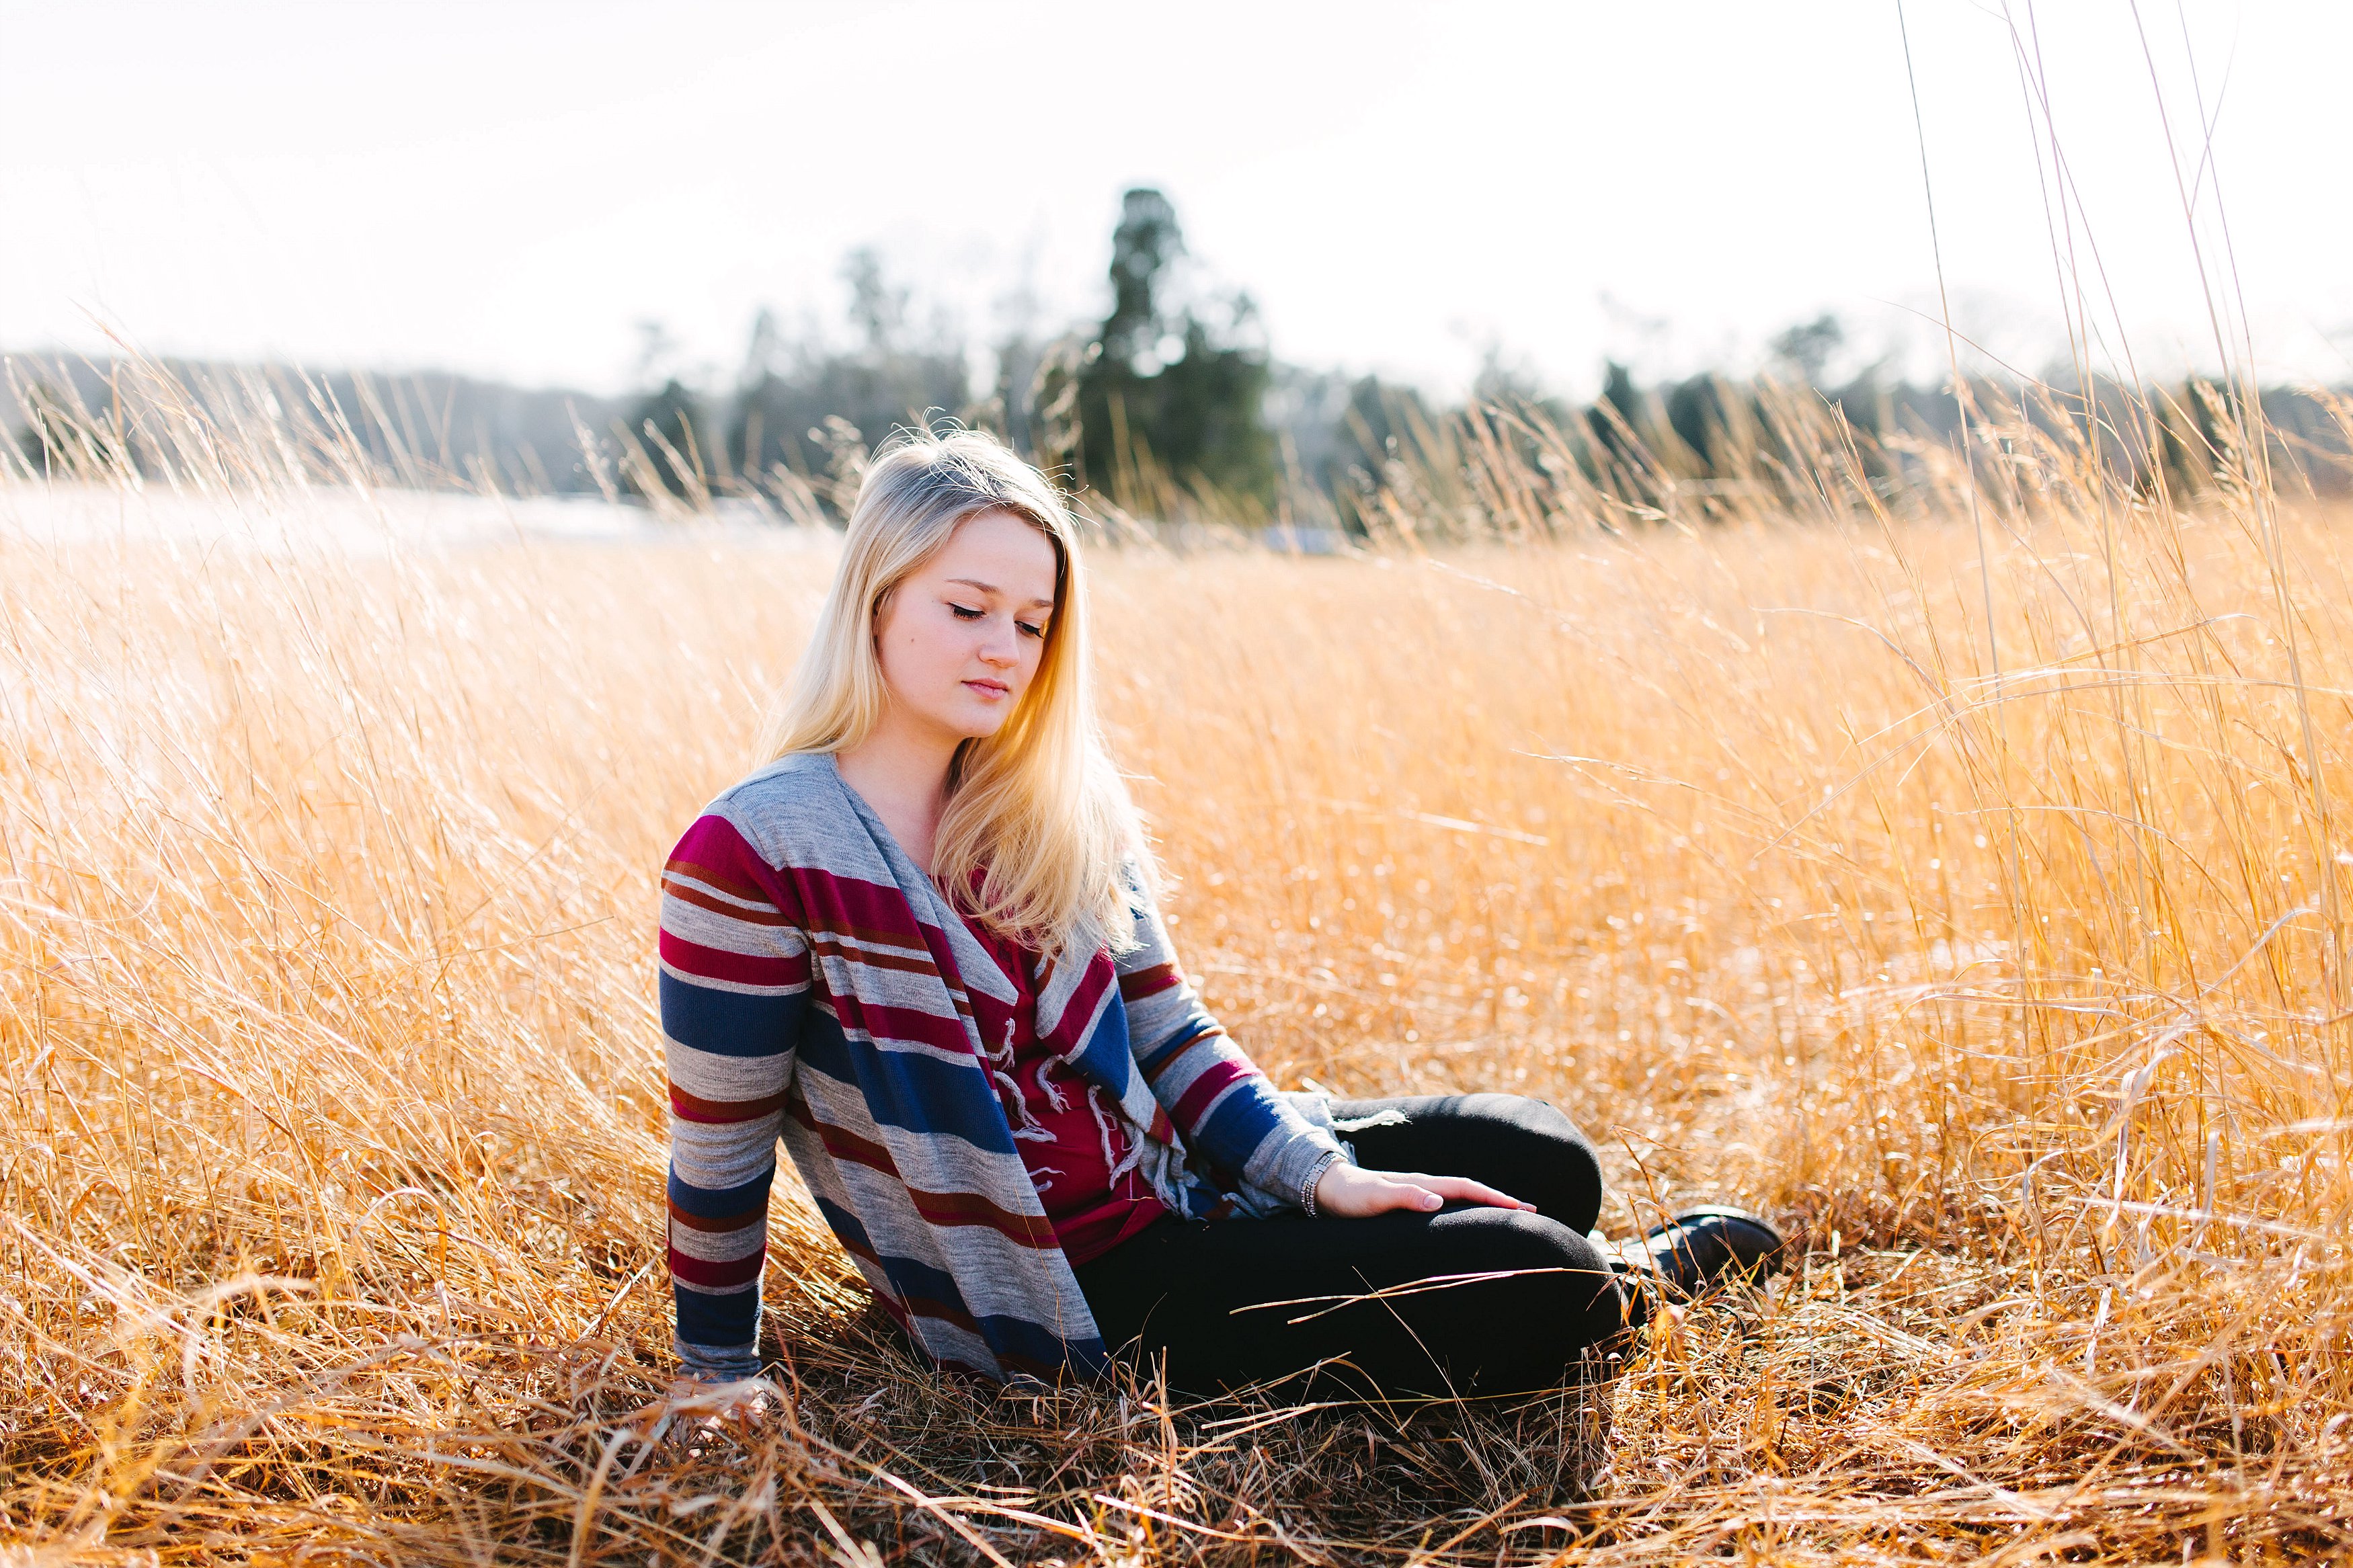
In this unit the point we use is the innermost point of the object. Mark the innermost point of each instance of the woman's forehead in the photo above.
(1000, 552)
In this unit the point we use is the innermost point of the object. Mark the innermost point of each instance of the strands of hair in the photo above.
(2003, 957)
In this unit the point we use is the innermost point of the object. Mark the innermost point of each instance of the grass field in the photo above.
(2003, 958)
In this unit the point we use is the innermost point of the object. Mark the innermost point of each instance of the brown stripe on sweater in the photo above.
(931, 1307)
(711, 1226)
(720, 881)
(829, 944)
(686, 893)
(971, 1208)
(907, 941)
(938, 1208)
(1142, 983)
(1152, 1073)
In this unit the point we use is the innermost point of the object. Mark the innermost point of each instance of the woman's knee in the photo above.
(1542, 1274)
(1534, 1136)
(1522, 1115)
(1522, 1145)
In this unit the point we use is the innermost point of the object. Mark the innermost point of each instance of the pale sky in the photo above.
(508, 187)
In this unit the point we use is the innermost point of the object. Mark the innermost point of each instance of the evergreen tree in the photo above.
(1614, 413)
(1163, 394)
(1808, 346)
(670, 425)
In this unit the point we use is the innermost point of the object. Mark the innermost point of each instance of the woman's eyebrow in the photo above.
(993, 588)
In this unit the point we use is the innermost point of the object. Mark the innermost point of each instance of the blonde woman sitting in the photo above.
(920, 946)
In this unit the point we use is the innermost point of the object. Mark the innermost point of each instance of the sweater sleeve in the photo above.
(735, 985)
(1231, 1116)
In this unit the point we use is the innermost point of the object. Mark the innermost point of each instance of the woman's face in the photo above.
(962, 636)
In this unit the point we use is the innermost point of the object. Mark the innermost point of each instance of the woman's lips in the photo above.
(989, 687)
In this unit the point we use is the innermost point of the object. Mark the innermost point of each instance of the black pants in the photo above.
(1198, 1294)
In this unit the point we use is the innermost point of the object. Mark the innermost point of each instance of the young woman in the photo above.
(921, 947)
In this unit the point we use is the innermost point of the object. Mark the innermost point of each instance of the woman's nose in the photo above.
(999, 648)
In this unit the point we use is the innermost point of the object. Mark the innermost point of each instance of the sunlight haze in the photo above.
(510, 189)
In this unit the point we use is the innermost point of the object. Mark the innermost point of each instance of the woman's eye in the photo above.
(1034, 631)
(964, 614)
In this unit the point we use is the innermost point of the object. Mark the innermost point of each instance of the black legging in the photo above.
(1193, 1292)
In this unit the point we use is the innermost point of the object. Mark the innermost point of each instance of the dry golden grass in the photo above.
(332, 1138)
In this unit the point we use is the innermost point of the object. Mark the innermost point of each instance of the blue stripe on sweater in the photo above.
(910, 1090)
(1105, 1055)
(718, 1203)
(923, 1281)
(1196, 1025)
(845, 1226)
(721, 1322)
(1013, 1339)
(1229, 1134)
(1017, 1339)
(729, 1022)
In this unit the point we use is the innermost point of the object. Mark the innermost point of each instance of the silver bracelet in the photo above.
(1314, 1175)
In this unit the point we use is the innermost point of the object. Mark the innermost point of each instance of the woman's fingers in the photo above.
(1462, 1190)
(1402, 1192)
(1350, 1191)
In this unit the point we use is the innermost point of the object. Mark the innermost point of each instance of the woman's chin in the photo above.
(977, 726)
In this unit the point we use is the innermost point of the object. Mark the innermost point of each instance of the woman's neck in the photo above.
(904, 777)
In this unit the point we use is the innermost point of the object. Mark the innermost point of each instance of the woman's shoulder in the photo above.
(797, 778)
(787, 811)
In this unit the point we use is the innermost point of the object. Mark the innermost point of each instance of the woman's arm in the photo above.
(1231, 1118)
(734, 987)
(1229, 1114)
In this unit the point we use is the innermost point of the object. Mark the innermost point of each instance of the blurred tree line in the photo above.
(1162, 407)
(1171, 409)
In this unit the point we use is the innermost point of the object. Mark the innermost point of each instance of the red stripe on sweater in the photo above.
(727, 874)
(712, 852)
(1068, 1029)
(715, 1276)
(692, 958)
(840, 1142)
(930, 1307)
(909, 1024)
(1214, 1080)
(971, 1208)
(867, 910)
(719, 1113)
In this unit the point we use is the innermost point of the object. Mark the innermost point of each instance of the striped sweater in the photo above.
(815, 987)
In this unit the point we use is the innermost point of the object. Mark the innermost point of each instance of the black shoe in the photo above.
(1705, 1248)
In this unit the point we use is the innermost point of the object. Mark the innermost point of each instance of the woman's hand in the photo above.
(1351, 1192)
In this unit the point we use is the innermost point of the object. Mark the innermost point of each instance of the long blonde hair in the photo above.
(1037, 820)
